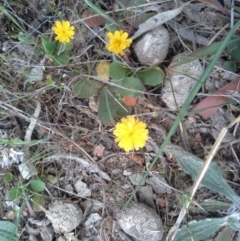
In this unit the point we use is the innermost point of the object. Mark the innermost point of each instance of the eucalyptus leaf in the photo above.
(151, 76)
(156, 21)
(86, 88)
(199, 230)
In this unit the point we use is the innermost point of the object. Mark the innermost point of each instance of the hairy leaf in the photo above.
(199, 230)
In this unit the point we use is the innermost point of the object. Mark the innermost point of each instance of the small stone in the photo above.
(180, 80)
(141, 222)
(82, 189)
(152, 47)
(136, 178)
(159, 184)
(64, 216)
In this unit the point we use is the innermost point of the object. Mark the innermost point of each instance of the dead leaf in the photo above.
(129, 101)
(99, 150)
(198, 138)
(92, 19)
(208, 106)
(82, 189)
(102, 70)
(93, 104)
(188, 33)
(216, 5)
(161, 202)
(156, 21)
(137, 159)
(159, 184)
(219, 121)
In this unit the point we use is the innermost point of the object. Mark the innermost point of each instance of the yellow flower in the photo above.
(118, 42)
(64, 31)
(131, 134)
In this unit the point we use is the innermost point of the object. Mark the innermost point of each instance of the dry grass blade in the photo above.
(202, 172)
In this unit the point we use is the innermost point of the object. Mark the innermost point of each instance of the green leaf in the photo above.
(151, 76)
(132, 87)
(37, 185)
(213, 178)
(230, 66)
(25, 38)
(224, 235)
(61, 59)
(234, 49)
(7, 177)
(123, 110)
(38, 52)
(199, 230)
(37, 200)
(9, 15)
(14, 193)
(207, 50)
(107, 106)
(64, 47)
(48, 46)
(100, 11)
(118, 71)
(233, 221)
(187, 103)
(238, 237)
(87, 87)
(8, 231)
(210, 205)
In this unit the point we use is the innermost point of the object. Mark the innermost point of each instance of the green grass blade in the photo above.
(7, 14)
(100, 11)
(188, 101)
(210, 49)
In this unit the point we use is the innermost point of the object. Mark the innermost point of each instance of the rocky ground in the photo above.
(67, 179)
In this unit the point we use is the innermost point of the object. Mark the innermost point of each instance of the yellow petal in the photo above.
(124, 35)
(117, 35)
(110, 35)
(58, 24)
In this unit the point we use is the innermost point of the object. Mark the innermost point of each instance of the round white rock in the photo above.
(179, 81)
(152, 47)
(141, 222)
